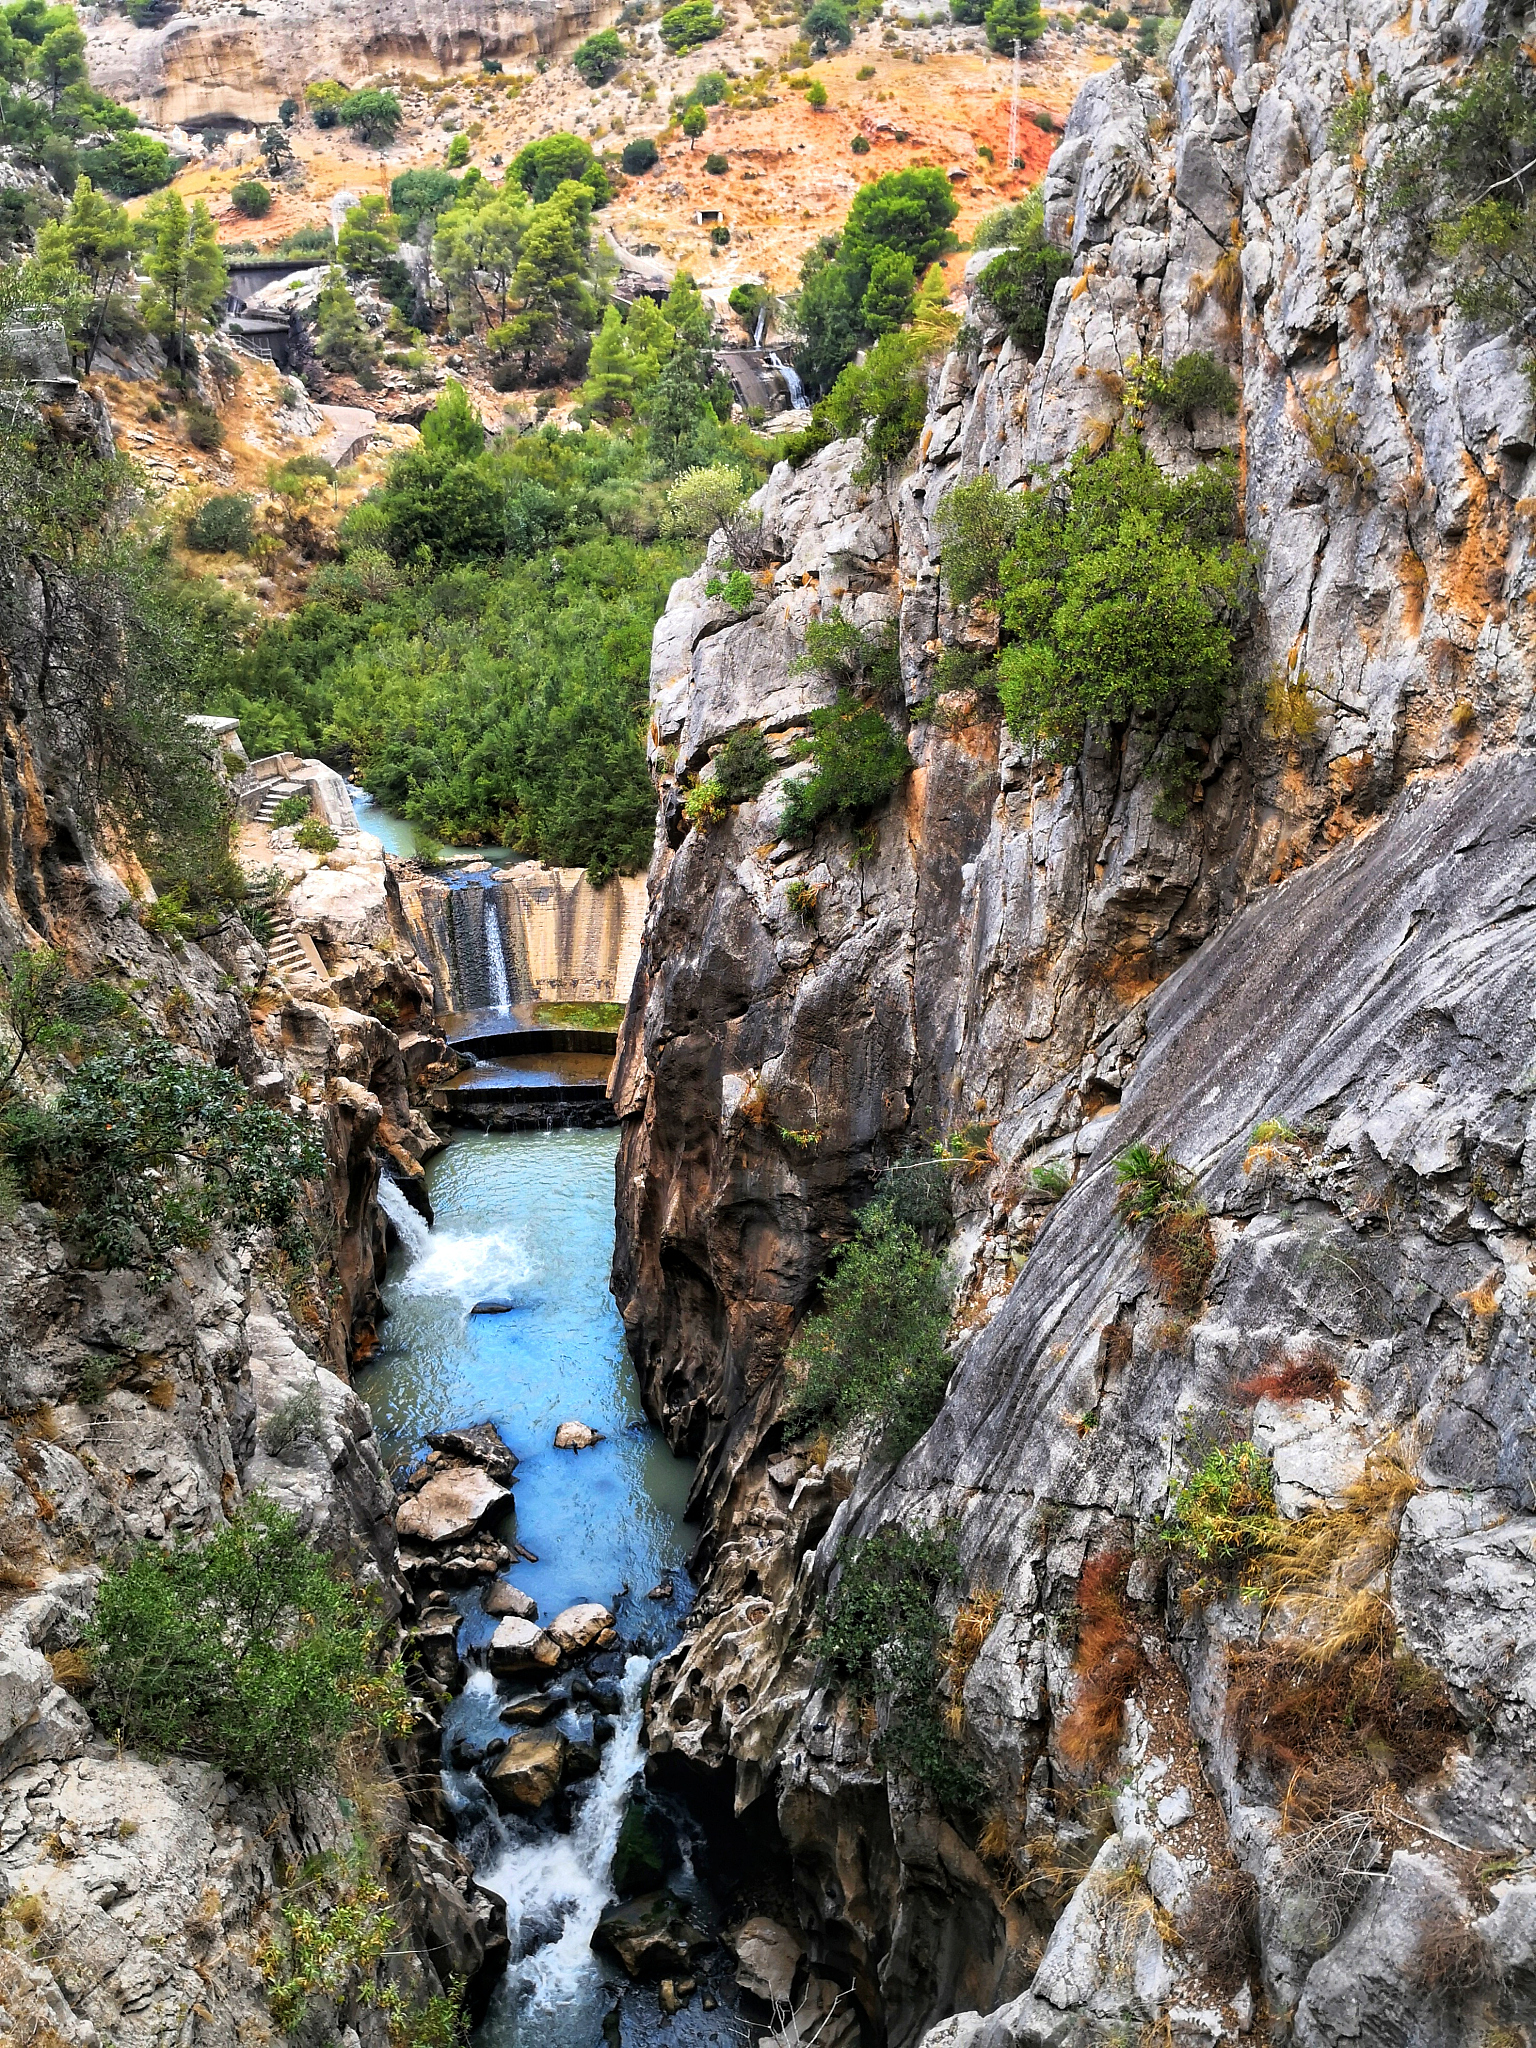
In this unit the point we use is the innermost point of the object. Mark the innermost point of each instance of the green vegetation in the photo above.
(52, 119)
(458, 153)
(1010, 21)
(694, 123)
(249, 1650)
(542, 167)
(977, 522)
(1189, 385)
(84, 267)
(420, 195)
(186, 270)
(743, 765)
(1224, 1512)
(325, 100)
(1120, 594)
(850, 284)
(816, 95)
(716, 165)
(1155, 1191)
(859, 761)
(875, 1352)
(1461, 177)
(250, 198)
(315, 836)
(372, 115)
(687, 26)
(598, 58)
(1151, 1183)
(580, 1016)
(734, 589)
(829, 27)
(143, 1153)
(638, 156)
(220, 525)
(882, 1638)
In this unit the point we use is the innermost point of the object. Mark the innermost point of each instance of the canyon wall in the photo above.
(1336, 942)
(213, 61)
(138, 1893)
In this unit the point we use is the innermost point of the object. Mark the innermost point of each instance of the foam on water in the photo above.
(409, 1227)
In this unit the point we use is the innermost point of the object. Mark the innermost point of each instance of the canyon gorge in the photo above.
(1206, 1099)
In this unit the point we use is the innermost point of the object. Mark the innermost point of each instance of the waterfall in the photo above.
(495, 956)
(410, 1228)
(791, 376)
(762, 327)
(556, 1881)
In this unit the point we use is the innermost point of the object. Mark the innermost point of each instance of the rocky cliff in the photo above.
(1336, 944)
(211, 61)
(138, 1893)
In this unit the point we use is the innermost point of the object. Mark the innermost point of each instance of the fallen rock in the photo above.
(493, 1308)
(432, 1647)
(674, 1994)
(520, 1645)
(767, 1957)
(582, 1759)
(662, 1590)
(646, 1850)
(650, 1936)
(452, 1504)
(529, 1770)
(785, 1473)
(532, 1707)
(479, 1557)
(481, 1445)
(576, 1436)
(580, 1627)
(505, 1598)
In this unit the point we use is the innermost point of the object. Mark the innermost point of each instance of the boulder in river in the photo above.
(578, 1628)
(576, 1436)
(529, 1707)
(529, 1770)
(479, 1445)
(646, 1850)
(432, 1647)
(767, 1957)
(522, 1646)
(452, 1504)
(494, 1306)
(651, 1936)
(505, 1598)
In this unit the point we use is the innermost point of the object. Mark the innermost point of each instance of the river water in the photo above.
(528, 1217)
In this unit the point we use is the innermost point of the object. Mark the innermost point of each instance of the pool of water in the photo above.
(398, 834)
(528, 1218)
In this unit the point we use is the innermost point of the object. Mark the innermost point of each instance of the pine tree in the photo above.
(453, 429)
(1010, 21)
(187, 271)
(89, 253)
(609, 391)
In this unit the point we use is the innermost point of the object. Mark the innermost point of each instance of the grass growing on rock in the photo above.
(1156, 1193)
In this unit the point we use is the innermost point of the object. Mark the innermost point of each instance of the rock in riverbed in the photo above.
(480, 1445)
(651, 1936)
(579, 1627)
(522, 1646)
(505, 1598)
(576, 1436)
(529, 1769)
(451, 1504)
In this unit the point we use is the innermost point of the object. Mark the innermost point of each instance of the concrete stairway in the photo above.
(291, 955)
(273, 795)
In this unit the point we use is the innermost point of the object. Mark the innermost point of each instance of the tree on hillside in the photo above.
(900, 222)
(369, 235)
(1010, 21)
(372, 115)
(551, 161)
(343, 340)
(325, 100)
(551, 281)
(826, 24)
(88, 257)
(695, 121)
(453, 429)
(187, 272)
(476, 250)
(598, 58)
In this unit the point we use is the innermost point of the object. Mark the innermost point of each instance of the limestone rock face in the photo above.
(1337, 941)
(207, 62)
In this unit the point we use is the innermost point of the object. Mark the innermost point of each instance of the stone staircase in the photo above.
(291, 955)
(273, 795)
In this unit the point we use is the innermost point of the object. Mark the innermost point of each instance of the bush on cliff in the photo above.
(250, 1651)
(881, 1638)
(876, 1350)
(1121, 593)
(859, 762)
(143, 1153)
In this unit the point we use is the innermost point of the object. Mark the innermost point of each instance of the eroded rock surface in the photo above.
(1337, 943)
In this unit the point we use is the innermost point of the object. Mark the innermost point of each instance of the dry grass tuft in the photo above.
(973, 1624)
(1181, 1253)
(1312, 1375)
(1107, 1666)
(162, 1394)
(72, 1670)
(1449, 1956)
(1483, 1299)
(1219, 1926)
(1289, 706)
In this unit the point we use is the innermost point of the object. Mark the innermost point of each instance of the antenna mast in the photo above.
(1013, 113)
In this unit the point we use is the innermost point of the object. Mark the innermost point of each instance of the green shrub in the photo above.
(1192, 383)
(1010, 21)
(828, 26)
(720, 236)
(709, 89)
(456, 159)
(851, 657)
(1156, 1191)
(1225, 1511)
(1118, 19)
(251, 198)
(802, 898)
(204, 428)
(705, 804)
(293, 810)
(543, 165)
(687, 26)
(250, 1651)
(1151, 1184)
(315, 836)
(1120, 595)
(716, 164)
(598, 58)
(976, 523)
(860, 145)
(373, 116)
(734, 589)
(743, 765)
(1019, 284)
(143, 1153)
(816, 95)
(876, 1350)
(884, 399)
(859, 762)
(639, 155)
(220, 526)
(881, 1638)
